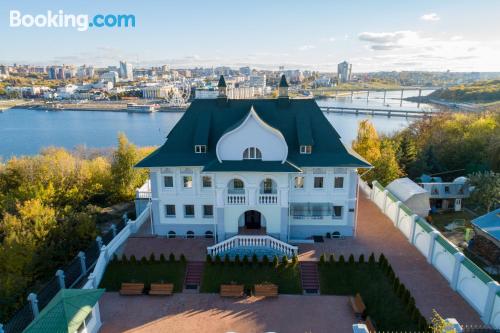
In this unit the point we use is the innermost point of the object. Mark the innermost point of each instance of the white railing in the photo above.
(364, 186)
(107, 252)
(236, 199)
(268, 199)
(142, 195)
(252, 240)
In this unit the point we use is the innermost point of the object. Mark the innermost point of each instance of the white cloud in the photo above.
(383, 41)
(331, 39)
(306, 47)
(430, 17)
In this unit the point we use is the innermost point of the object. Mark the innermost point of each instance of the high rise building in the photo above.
(245, 70)
(126, 71)
(344, 71)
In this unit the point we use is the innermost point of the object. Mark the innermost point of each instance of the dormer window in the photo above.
(305, 149)
(200, 149)
(252, 153)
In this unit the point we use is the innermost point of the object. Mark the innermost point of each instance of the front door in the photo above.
(252, 219)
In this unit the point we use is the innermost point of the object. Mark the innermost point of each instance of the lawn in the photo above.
(146, 272)
(286, 277)
(385, 308)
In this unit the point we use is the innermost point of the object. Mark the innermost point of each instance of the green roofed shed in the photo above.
(66, 311)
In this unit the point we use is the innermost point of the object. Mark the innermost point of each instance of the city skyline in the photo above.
(428, 35)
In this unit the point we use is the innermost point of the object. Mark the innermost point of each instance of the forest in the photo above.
(49, 209)
(477, 92)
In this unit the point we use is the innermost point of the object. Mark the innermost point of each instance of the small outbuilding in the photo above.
(411, 194)
(486, 241)
(70, 311)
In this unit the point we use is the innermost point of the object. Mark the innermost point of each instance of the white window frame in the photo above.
(173, 181)
(306, 149)
(203, 211)
(343, 182)
(252, 153)
(189, 216)
(211, 182)
(336, 217)
(314, 182)
(166, 212)
(200, 149)
(303, 183)
(184, 182)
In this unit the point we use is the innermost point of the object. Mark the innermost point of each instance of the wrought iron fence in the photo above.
(48, 291)
(20, 320)
(73, 272)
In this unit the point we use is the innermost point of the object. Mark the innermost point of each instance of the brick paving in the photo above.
(195, 249)
(377, 234)
(211, 313)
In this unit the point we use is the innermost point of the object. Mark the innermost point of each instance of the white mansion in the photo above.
(266, 166)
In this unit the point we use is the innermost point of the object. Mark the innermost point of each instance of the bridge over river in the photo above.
(396, 112)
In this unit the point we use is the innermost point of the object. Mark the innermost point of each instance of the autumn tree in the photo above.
(486, 191)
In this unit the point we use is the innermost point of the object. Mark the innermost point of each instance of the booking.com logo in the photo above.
(81, 22)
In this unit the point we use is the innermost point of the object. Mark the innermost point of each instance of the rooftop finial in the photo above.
(222, 87)
(283, 87)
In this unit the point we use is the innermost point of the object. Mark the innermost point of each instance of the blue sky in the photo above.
(316, 34)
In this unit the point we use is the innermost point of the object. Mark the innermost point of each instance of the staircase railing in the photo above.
(252, 240)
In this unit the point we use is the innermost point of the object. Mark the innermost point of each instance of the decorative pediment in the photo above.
(252, 132)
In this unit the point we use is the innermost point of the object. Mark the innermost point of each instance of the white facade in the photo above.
(287, 205)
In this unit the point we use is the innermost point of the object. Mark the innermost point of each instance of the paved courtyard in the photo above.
(211, 313)
(375, 233)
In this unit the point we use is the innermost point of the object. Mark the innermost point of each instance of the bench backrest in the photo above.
(162, 286)
(132, 286)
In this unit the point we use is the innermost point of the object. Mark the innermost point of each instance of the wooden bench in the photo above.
(266, 290)
(165, 289)
(132, 289)
(369, 324)
(231, 290)
(358, 306)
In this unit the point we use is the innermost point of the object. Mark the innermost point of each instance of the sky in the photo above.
(373, 35)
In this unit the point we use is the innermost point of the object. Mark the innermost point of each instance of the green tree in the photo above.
(125, 178)
(486, 191)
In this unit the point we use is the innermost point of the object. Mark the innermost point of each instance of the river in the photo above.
(25, 132)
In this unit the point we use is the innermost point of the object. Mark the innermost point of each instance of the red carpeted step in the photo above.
(310, 276)
(194, 273)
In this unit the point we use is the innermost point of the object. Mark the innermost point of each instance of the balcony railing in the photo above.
(268, 199)
(236, 199)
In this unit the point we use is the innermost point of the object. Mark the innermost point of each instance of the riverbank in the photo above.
(95, 106)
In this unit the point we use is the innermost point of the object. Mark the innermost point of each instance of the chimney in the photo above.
(222, 87)
(283, 87)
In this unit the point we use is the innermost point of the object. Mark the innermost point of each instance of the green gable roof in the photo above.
(298, 120)
(251, 165)
(66, 311)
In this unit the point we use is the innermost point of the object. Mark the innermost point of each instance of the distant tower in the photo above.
(344, 71)
(283, 88)
(222, 87)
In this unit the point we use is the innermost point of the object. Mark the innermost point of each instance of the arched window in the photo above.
(190, 234)
(252, 153)
(268, 186)
(171, 234)
(209, 234)
(236, 186)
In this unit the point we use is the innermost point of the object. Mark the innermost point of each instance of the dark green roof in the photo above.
(66, 311)
(298, 120)
(283, 82)
(251, 165)
(222, 82)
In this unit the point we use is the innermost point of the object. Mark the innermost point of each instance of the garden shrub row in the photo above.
(253, 261)
(152, 258)
(327, 261)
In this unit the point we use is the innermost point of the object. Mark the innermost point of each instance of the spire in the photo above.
(222, 87)
(222, 82)
(283, 82)
(283, 87)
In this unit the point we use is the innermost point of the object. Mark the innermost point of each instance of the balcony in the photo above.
(144, 192)
(236, 199)
(268, 199)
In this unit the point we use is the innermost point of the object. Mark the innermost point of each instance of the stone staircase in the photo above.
(194, 272)
(309, 276)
